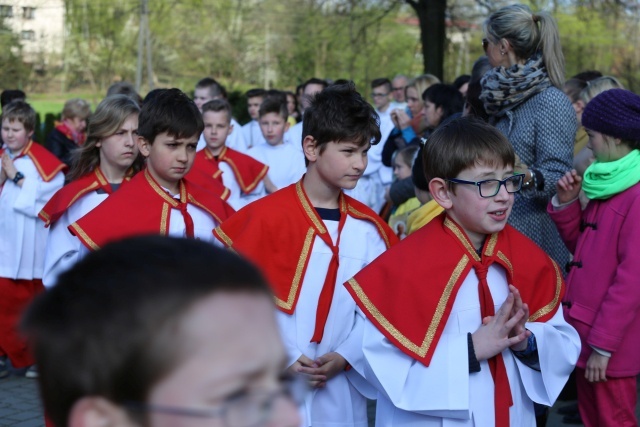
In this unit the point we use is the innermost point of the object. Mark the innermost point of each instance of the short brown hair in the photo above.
(462, 143)
(22, 112)
(76, 107)
(216, 106)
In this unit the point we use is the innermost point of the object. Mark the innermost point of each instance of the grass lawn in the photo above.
(45, 103)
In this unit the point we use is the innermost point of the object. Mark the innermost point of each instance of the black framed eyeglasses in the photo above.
(246, 410)
(485, 45)
(491, 187)
(379, 95)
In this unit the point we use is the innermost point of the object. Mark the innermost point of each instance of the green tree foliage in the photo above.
(281, 43)
(14, 73)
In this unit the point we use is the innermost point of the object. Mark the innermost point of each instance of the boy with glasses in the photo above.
(473, 333)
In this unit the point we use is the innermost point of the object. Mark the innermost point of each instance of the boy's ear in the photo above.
(309, 148)
(144, 146)
(579, 106)
(98, 412)
(287, 125)
(230, 129)
(439, 190)
(29, 135)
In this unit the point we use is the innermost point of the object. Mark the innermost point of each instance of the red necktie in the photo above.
(329, 286)
(188, 221)
(502, 390)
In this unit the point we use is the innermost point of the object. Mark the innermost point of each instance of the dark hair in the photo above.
(381, 82)
(587, 75)
(475, 107)
(461, 80)
(110, 327)
(315, 81)
(125, 88)
(462, 143)
(170, 111)
(417, 172)
(10, 95)
(22, 112)
(274, 104)
(340, 114)
(573, 87)
(444, 96)
(255, 93)
(215, 89)
(151, 95)
(110, 114)
(218, 105)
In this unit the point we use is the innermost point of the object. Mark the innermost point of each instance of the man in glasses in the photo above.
(398, 84)
(157, 331)
(472, 331)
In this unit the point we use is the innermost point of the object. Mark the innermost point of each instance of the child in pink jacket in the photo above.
(603, 286)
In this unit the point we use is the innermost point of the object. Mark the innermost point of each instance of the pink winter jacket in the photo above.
(602, 300)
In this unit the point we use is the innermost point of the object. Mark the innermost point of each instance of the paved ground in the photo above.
(20, 404)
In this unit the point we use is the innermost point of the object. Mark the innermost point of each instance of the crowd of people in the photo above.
(452, 251)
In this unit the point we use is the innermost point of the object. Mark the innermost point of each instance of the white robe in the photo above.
(293, 136)
(445, 393)
(71, 250)
(235, 140)
(286, 163)
(63, 247)
(252, 134)
(23, 238)
(238, 199)
(338, 404)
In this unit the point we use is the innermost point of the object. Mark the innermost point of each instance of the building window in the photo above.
(28, 35)
(28, 12)
(6, 11)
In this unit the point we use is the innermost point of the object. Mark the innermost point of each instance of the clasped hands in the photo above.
(506, 329)
(321, 370)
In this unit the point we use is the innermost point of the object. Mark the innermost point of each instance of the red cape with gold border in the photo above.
(71, 193)
(277, 233)
(410, 306)
(142, 207)
(45, 162)
(247, 170)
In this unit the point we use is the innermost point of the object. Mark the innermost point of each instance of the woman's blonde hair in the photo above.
(421, 83)
(76, 107)
(597, 86)
(109, 116)
(527, 33)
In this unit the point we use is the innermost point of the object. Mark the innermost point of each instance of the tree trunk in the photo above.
(431, 14)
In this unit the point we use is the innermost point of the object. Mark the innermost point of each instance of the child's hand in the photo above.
(519, 327)
(328, 366)
(8, 167)
(569, 186)
(496, 335)
(596, 369)
(309, 368)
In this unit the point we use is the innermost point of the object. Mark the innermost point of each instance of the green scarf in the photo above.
(603, 180)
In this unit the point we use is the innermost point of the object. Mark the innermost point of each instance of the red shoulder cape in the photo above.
(207, 175)
(414, 315)
(247, 170)
(70, 193)
(46, 163)
(277, 233)
(142, 207)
